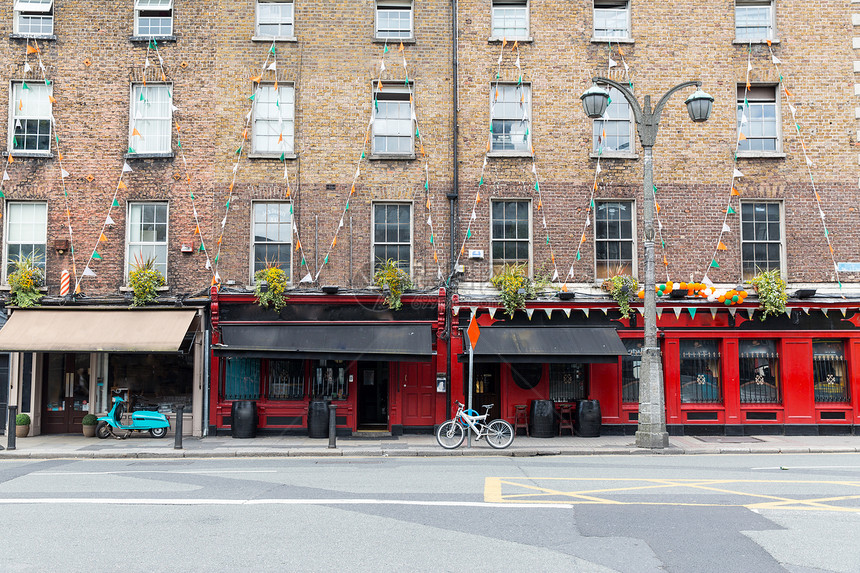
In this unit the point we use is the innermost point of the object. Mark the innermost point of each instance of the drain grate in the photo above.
(728, 439)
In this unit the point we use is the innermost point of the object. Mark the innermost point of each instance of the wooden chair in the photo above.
(565, 415)
(521, 418)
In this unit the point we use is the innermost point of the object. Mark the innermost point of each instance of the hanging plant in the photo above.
(25, 281)
(770, 288)
(393, 281)
(144, 280)
(621, 288)
(515, 287)
(270, 287)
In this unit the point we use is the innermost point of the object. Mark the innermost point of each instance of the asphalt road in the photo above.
(684, 514)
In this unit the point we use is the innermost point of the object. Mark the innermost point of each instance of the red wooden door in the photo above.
(418, 390)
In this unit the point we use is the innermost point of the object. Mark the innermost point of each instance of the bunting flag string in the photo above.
(809, 164)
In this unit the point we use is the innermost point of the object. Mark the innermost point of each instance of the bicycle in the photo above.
(499, 433)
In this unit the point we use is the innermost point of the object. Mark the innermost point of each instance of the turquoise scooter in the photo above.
(153, 422)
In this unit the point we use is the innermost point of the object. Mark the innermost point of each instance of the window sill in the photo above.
(7, 288)
(495, 40)
(156, 38)
(272, 156)
(391, 156)
(48, 37)
(761, 155)
(394, 41)
(163, 155)
(747, 42)
(603, 40)
(510, 154)
(274, 39)
(615, 155)
(129, 289)
(29, 154)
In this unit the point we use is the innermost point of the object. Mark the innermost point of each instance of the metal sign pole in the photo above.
(471, 385)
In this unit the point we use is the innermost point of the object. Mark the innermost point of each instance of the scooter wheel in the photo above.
(102, 430)
(158, 432)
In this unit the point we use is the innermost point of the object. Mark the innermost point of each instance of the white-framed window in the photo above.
(151, 118)
(30, 117)
(510, 232)
(612, 19)
(276, 19)
(394, 19)
(146, 236)
(510, 19)
(761, 237)
(153, 18)
(393, 130)
(510, 117)
(34, 18)
(754, 20)
(615, 130)
(274, 119)
(758, 119)
(392, 235)
(26, 233)
(614, 246)
(272, 236)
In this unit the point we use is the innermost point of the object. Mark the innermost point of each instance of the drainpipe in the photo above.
(453, 197)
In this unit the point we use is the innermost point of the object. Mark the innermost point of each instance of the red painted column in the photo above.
(798, 395)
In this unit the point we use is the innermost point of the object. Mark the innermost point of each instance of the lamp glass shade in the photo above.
(699, 105)
(595, 100)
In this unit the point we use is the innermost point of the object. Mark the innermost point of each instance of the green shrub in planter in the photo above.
(22, 420)
(144, 280)
(90, 420)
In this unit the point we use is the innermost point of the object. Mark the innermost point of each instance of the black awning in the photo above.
(546, 344)
(398, 342)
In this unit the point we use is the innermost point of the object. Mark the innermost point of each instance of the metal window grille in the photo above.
(630, 371)
(829, 372)
(242, 379)
(329, 381)
(286, 380)
(567, 382)
(700, 372)
(759, 377)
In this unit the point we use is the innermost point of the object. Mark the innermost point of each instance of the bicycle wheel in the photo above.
(500, 434)
(450, 435)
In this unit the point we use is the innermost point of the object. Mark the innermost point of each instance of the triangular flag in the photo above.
(713, 313)
(96, 255)
(88, 272)
(102, 238)
(586, 311)
(115, 203)
(109, 221)
(730, 211)
(726, 228)
(775, 60)
(721, 246)
(566, 312)
(735, 192)
(530, 312)
(6, 176)
(126, 168)
(715, 264)
(737, 173)
(548, 312)
(677, 310)
(692, 312)
(121, 185)
(63, 173)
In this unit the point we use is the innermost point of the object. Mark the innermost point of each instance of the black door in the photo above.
(373, 395)
(4, 389)
(65, 392)
(485, 389)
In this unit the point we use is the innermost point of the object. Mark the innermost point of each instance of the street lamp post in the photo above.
(652, 410)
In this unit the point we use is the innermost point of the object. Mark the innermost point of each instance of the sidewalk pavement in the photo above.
(143, 446)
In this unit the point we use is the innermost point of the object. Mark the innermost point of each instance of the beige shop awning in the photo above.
(87, 330)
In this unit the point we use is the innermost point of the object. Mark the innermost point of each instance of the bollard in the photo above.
(332, 426)
(177, 443)
(10, 428)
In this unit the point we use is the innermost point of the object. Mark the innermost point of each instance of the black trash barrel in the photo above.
(318, 419)
(588, 418)
(243, 416)
(543, 419)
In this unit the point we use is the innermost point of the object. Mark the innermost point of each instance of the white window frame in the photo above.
(141, 112)
(374, 243)
(42, 10)
(141, 7)
(394, 92)
(634, 246)
(19, 111)
(747, 127)
(501, 6)
(750, 5)
(284, 24)
(598, 127)
(530, 239)
(287, 266)
(522, 148)
(282, 124)
(399, 5)
(781, 242)
(39, 234)
(607, 6)
(135, 247)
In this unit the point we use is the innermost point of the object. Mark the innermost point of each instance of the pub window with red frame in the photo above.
(700, 371)
(829, 371)
(758, 363)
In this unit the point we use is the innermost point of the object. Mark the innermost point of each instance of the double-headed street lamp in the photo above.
(652, 410)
